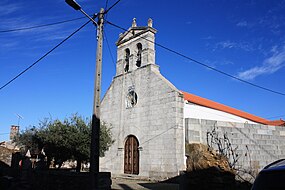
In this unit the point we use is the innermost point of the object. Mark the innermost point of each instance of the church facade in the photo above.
(151, 120)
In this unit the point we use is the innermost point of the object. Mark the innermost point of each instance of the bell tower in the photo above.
(135, 48)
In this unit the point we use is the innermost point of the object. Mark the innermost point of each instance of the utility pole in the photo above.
(95, 133)
(95, 130)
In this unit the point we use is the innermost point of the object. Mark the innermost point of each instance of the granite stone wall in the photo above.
(156, 121)
(5, 155)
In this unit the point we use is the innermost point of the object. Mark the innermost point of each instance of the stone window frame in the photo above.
(131, 99)
(127, 60)
(139, 54)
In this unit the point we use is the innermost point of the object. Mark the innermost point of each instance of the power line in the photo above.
(50, 24)
(112, 57)
(106, 5)
(205, 65)
(107, 10)
(39, 26)
(4, 133)
(10, 81)
(105, 16)
(118, 27)
(112, 6)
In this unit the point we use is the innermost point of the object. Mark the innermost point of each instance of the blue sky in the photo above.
(243, 38)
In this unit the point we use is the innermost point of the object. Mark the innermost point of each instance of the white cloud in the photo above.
(32, 37)
(9, 45)
(227, 44)
(6, 9)
(242, 24)
(234, 45)
(270, 65)
(208, 38)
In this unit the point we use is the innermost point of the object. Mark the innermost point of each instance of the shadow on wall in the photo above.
(3, 165)
(4, 182)
(211, 178)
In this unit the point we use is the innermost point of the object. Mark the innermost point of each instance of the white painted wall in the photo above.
(200, 112)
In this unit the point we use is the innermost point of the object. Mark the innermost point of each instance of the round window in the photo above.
(131, 99)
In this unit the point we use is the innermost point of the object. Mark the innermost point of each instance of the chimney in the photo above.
(14, 131)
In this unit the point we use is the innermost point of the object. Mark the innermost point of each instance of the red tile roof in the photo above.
(277, 122)
(217, 106)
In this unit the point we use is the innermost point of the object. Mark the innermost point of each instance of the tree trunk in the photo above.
(48, 164)
(78, 166)
(60, 162)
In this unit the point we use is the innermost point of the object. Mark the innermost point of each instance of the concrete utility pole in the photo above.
(95, 134)
(95, 131)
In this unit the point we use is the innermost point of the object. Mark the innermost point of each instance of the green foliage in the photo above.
(29, 139)
(105, 138)
(63, 140)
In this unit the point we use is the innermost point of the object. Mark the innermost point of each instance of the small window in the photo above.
(139, 55)
(127, 60)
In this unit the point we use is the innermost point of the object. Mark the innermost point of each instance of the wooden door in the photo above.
(131, 160)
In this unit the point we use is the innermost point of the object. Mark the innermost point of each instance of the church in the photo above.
(151, 120)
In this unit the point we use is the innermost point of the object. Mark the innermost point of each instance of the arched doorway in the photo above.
(131, 160)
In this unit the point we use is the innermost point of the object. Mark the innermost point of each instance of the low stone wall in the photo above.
(255, 145)
(211, 178)
(63, 180)
(52, 180)
(5, 155)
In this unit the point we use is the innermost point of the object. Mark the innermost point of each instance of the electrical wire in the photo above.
(106, 5)
(32, 27)
(112, 57)
(109, 49)
(204, 65)
(4, 133)
(111, 7)
(105, 16)
(39, 26)
(21, 73)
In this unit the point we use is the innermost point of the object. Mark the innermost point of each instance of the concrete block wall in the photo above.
(257, 145)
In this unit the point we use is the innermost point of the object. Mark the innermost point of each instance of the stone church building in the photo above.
(151, 119)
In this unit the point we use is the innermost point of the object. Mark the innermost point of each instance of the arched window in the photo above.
(127, 60)
(139, 55)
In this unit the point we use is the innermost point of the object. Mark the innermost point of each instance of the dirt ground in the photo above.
(130, 184)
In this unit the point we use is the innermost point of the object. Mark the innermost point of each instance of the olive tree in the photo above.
(63, 140)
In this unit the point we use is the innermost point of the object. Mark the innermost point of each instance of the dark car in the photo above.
(272, 177)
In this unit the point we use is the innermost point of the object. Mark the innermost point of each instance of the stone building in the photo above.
(14, 131)
(8, 148)
(152, 120)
